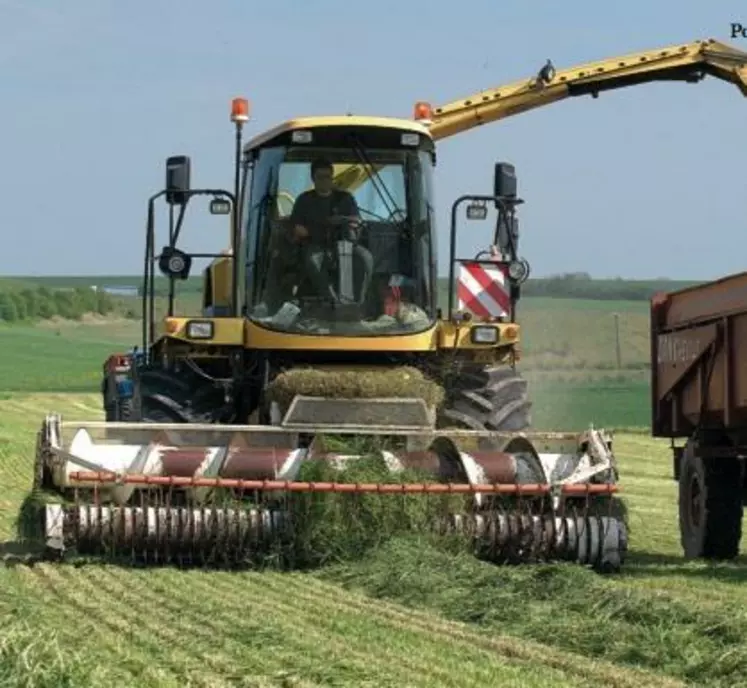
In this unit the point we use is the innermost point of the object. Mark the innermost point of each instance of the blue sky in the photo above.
(643, 182)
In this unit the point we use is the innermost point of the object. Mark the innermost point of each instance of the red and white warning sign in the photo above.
(482, 289)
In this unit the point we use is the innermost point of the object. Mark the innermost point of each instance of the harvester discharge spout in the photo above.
(239, 494)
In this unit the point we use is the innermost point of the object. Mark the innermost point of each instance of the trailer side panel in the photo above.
(699, 358)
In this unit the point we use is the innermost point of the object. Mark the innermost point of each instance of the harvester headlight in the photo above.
(477, 211)
(518, 270)
(220, 206)
(484, 335)
(200, 329)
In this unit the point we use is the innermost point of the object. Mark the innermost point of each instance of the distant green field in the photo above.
(40, 360)
(569, 359)
(561, 334)
(65, 358)
(574, 404)
(193, 284)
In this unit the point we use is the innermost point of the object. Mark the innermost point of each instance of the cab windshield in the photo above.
(339, 241)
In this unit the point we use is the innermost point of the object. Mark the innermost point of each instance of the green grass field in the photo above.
(557, 335)
(60, 356)
(410, 614)
(569, 359)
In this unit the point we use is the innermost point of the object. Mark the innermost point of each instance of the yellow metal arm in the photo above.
(688, 62)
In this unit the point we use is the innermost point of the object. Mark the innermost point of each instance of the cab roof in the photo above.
(336, 121)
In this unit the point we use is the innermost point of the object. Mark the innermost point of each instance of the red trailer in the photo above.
(699, 394)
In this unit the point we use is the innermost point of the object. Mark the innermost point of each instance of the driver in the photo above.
(311, 218)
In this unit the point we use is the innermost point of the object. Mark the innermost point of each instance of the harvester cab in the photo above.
(339, 261)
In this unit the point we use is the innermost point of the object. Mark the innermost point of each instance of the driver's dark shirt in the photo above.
(313, 212)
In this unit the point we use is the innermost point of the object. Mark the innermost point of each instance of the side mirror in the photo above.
(174, 263)
(177, 179)
(504, 180)
(220, 206)
(477, 211)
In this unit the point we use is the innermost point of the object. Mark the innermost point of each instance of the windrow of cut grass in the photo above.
(683, 619)
(100, 626)
(564, 605)
(177, 628)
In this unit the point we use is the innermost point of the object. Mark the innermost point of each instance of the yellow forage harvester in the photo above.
(325, 395)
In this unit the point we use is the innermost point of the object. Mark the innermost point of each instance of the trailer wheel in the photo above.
(710, 506)
(488, 399)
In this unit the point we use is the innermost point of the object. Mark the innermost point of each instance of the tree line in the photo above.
(582, 286)
(42, 303)
(572, 285)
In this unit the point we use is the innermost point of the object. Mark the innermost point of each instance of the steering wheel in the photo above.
(340, 223)
(397, 215)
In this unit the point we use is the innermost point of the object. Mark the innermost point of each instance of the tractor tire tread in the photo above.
(172, 397)
(494, 399)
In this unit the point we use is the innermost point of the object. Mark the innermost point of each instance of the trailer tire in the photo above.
(710, 506)
(493, 398)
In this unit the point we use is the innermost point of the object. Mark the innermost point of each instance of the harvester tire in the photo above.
(488, 399)
(710, 506)
(119, 411)
(170, 397)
